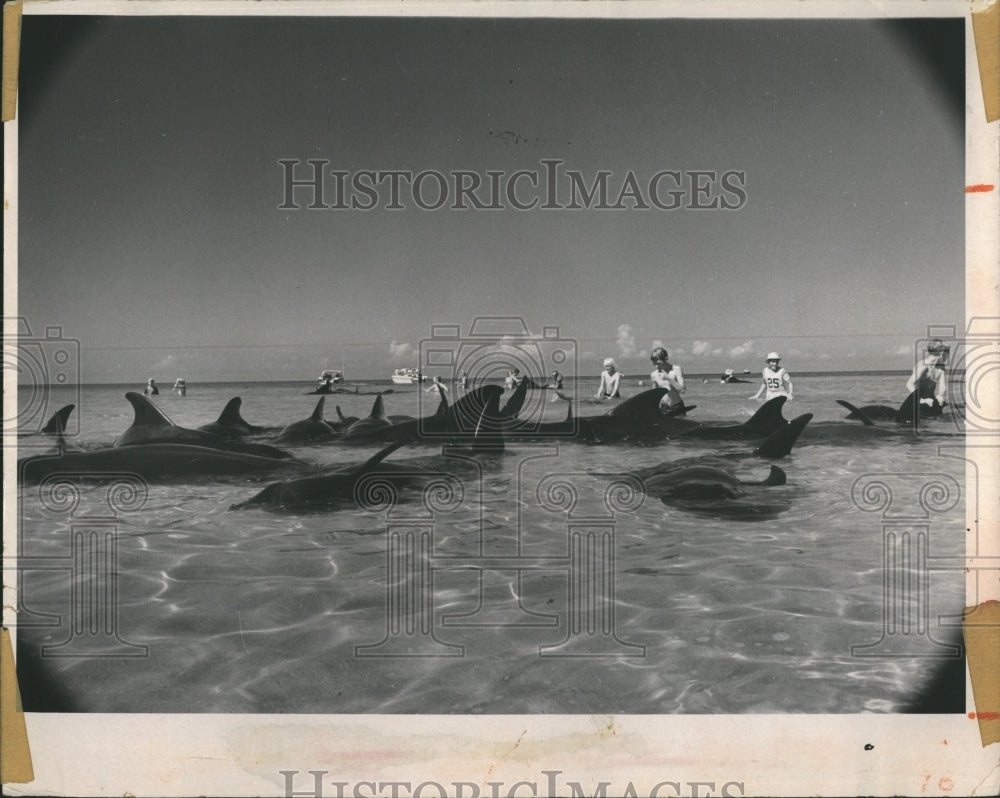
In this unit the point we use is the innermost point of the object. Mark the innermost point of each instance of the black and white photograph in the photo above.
(499, 400)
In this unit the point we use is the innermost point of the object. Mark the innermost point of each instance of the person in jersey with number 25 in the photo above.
(776, 381)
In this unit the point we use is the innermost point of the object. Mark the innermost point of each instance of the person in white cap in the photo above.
(775, 380)
(610, 380)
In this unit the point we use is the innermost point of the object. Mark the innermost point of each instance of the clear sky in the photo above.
(150, 190)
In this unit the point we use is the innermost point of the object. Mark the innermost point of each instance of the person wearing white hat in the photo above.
(610, 380)
(775, 380)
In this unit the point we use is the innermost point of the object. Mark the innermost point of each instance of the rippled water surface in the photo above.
(539, 590)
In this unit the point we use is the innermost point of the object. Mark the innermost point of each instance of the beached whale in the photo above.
(707, 485)
(150, 461)
(912, 409)
(715, 491)
(766, 420)
(151, 425)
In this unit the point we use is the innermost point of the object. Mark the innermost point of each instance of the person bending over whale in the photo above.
(929, 378)
(668, 376)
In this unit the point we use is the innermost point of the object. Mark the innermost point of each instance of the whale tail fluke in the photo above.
(856, 413)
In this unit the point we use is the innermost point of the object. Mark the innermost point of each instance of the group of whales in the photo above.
(154, 447)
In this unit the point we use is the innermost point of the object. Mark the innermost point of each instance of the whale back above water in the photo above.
(150, 461)
(230, 424)
(334, 487)
(309, 430)
(909, 412)
(152, 425)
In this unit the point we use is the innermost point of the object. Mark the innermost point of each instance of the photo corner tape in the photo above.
(15, 754)
(986, 31)
(981, 627)
(11, 57)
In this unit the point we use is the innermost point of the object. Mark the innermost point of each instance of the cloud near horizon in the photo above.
(626, 341)
(705, 349)
(744, 349)
(400, 350)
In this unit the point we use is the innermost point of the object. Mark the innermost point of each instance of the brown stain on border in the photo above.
(15, 754)
(981, 628)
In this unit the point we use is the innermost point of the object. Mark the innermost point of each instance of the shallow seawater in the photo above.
(534, 581)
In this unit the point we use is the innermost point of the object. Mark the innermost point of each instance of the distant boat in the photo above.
(408, 376)
(746, 371)
(330, 377)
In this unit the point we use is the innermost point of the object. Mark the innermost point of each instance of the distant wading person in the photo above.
(150, 389)
(437, 387)
(666, 375)
(774, 380)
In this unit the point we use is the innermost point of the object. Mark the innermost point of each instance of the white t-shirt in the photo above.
(775, 382)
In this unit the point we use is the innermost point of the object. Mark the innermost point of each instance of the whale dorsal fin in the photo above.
(516, 401)
(317, 414)
(340, 414)
(776, 477)
(230, 415)
(378, 409)
(146, 413)
(59, 420)
(768, 418)
(857, 413)
(569, 412)
(780, 442)
(379, 456)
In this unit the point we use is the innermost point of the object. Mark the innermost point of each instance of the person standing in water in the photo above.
(774, 380)
(150, 389)
(437, 387)
(667, 375)
(180, 386)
